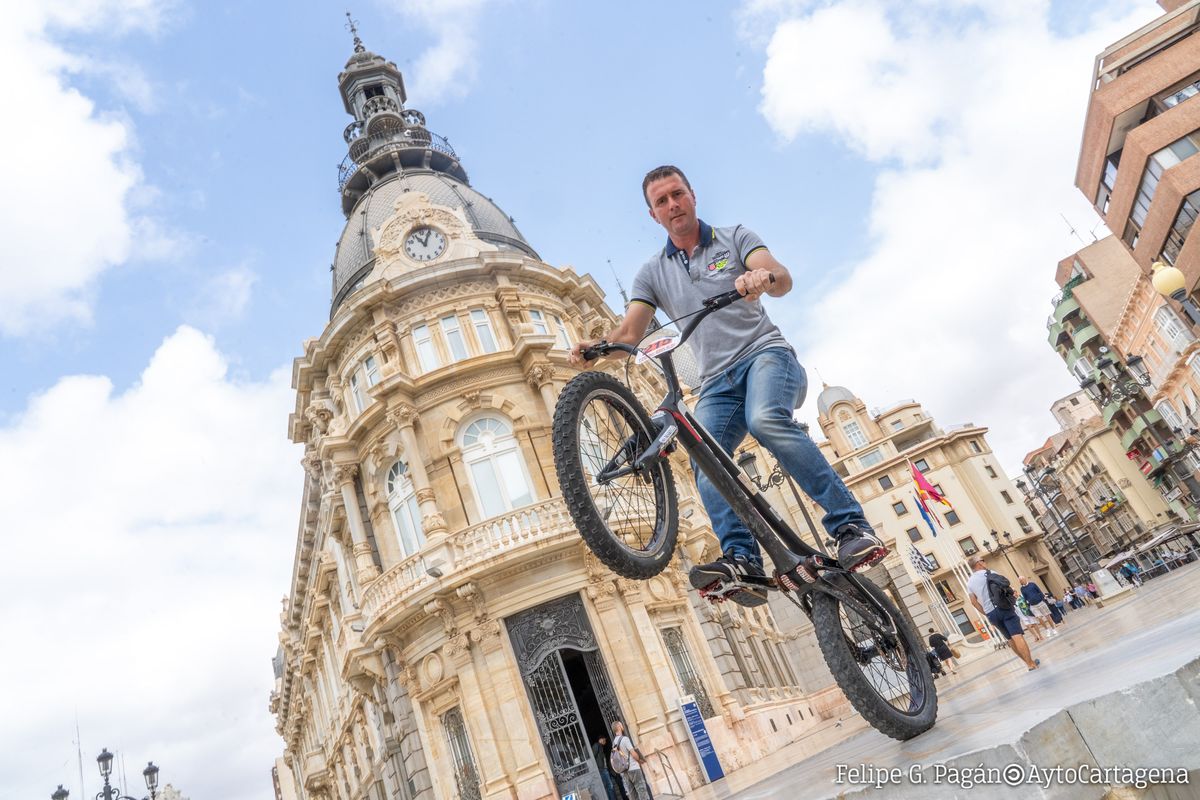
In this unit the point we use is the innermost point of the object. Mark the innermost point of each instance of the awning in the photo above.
(1172, 532)
(1117, 559)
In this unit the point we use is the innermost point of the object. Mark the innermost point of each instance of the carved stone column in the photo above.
(364, 564)
(404, 417)
(541, 378)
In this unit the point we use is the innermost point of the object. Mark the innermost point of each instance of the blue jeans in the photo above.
(759, 395)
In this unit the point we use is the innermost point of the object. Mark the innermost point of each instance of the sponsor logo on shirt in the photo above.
(720, 261)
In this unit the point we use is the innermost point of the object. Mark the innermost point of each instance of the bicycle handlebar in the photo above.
(711, 304)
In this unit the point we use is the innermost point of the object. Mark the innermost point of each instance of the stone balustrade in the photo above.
(494, 537)
(393, 588)
(540, 523)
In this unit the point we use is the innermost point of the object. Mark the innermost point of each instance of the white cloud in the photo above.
(67, 167)
(149, 536)
(224, 297)
(974, 113)
(446, 69)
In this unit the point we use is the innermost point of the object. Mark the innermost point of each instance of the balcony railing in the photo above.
(499, 535)
(364, 148)
(393, 588)
(483, 543)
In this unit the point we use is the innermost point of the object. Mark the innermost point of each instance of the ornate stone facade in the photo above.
(440, 592)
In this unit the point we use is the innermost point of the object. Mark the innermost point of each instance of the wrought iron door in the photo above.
(538, 637)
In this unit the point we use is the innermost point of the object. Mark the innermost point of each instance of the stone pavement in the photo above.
(1120, 686)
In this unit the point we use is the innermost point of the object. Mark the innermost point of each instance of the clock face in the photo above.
(424, 244)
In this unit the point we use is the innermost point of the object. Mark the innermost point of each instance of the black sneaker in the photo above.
(731, 577)
(858, 547)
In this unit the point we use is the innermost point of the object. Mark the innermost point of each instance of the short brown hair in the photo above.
(657, 174)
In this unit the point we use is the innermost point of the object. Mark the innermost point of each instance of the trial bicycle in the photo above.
(612, 461)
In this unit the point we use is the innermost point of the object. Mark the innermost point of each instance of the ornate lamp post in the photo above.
(748, 462)
(1001, 548)
(1170, 282)
(1035, 480)
(1119, 387)
(104, 762)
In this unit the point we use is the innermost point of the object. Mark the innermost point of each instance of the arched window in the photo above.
(406, 513)
(496, 467)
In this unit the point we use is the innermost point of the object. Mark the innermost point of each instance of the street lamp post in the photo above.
(1002, 548)
(104, 761)
(748, 462)
(1170, 282)
(1036, 483)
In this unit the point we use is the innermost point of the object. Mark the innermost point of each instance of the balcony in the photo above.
(1064, 308)
(530, 529)
(1058, 334)
(1084, 335)
(363, 149)
(1140, 424)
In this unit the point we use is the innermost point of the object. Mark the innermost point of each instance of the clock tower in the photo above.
(446, 633)
(391, 154)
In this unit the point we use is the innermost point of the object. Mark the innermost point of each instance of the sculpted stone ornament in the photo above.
(440, 609)
(344, 473)
(426, 495)
(539, 375)
(420, 231)
(319, 416)
(433, 522)
(458, 647)
(312, 466)
(402, 415)
(630, 590)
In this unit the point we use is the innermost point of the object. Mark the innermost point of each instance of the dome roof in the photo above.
(355, 248)
(830, 395)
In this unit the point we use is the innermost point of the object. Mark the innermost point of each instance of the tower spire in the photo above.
(352, 26)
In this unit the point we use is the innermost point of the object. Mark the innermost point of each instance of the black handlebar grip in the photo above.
(595, 351)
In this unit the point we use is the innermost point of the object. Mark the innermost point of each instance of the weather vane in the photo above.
(352, 26)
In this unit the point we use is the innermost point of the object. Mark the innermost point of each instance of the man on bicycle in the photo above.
(750, 378)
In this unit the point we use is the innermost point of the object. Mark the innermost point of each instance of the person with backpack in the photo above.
(600, 753)
(627, 761)
(993, 595)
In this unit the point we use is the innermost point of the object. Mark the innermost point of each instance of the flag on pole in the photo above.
(919, 561)
(929, 517)
(925, 488)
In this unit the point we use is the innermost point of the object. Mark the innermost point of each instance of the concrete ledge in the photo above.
(1155, 723)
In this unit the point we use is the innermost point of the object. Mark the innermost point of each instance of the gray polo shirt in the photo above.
(678, 282)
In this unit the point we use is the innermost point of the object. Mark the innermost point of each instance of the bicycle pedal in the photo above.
(720, 591)
(876, 556)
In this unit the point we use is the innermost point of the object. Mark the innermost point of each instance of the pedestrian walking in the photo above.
(994, 597)
(1036, 598)
(1081, 594)
(1130, 571)
(1092, 590)
(627, 762)
(942, 649)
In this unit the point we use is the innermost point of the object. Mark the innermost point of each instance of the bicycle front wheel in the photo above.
(876, 658)
(629, 521)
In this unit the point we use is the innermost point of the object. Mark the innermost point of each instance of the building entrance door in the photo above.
(569, 691)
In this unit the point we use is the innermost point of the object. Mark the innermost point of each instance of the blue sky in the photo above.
(170, 213)
(568, 108)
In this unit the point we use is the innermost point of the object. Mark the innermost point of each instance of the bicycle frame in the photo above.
(785, 547)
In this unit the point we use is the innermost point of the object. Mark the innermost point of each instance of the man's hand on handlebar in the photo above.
(753, 284)
(576, 354)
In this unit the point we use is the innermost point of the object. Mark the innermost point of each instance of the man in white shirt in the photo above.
(1003, 619)
(635, 779)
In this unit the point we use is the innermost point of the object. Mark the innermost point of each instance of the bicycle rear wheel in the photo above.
(631, 521)
(877, 659)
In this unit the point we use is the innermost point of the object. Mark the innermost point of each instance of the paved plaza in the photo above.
(1120, 685)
